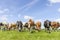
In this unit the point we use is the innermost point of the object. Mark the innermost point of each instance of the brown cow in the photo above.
(38, 25)
(31, 25)
(12, 25)
(54, 25)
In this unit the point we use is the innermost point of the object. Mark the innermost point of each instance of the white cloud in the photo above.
(54, 1)
(59, 10)
(28, 17)
(51, 2)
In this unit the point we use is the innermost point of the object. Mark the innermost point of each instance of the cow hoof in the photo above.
(31, 32)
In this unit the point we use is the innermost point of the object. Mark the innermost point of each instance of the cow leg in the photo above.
(31, 29)
(52, 28)
(56, 29)
(24, 28)
(18, 28)
(9, 28)
(3, 29)
(49, 31)
(45, 29)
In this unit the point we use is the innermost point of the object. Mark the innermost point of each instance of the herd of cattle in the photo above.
(30, 25)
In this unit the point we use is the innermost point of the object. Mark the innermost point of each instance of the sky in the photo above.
(38, 10)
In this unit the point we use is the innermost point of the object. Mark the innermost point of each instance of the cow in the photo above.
(31, 25)
(38, 25)
(11, 26)
(55, 25)
(3, 25)
(47, 25)
(19, 25)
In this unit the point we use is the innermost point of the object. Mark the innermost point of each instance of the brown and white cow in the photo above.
(31, 25)
(38, 25)
(12, 26)
(55, 25)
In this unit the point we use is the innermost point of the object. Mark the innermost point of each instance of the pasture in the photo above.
(42, 35)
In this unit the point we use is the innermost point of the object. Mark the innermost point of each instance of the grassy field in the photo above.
(42, 35)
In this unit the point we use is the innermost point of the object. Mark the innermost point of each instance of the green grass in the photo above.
(42, 35)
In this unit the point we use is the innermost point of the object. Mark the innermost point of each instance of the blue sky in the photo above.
(13, 10)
